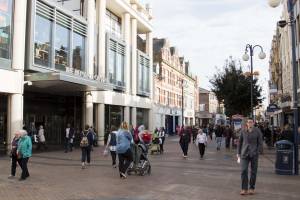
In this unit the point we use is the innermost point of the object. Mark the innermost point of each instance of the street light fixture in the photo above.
(282, 24)
(261, 55)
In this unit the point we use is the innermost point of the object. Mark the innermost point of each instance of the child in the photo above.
(201, 142)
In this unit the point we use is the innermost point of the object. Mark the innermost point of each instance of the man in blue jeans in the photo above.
(250, 145)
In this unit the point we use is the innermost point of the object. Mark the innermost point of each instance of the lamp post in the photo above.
(261, 55)
(283, 23)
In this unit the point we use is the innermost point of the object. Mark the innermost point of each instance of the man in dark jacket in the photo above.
(219, 135)
(185, 138)
(228, 135)
(250, 145)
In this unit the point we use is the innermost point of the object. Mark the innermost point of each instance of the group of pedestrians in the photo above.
(21, 151)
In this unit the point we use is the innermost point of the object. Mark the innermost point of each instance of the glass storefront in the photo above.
(142, 117)
(114, 116)
(54, 113)
(3, 123)
(5, 28)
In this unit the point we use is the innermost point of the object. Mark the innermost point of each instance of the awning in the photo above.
(62, 82)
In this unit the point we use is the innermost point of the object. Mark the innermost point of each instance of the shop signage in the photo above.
(83, 74)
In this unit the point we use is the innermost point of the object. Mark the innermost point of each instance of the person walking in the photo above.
(14, 156)
(24, 152)
(201, 141)
(86, 143)
(250, 145)
(185, 138)
(69, 138)
(41, 138)
(228, 135)
(162, 137)
(124, 139)
(112, 144)
(219, 134)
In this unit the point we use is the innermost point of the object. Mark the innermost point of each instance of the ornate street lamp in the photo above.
(246, 57)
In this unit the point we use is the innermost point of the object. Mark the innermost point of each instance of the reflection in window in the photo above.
(78, 51)
(5, 28)
(62, 47)
(111, 65)
(42, 38)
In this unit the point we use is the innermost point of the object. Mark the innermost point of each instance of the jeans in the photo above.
(86, 154)
(162, 144)
(124, 160)
(24, 168)
(201, 147)
(253, 161)
(227, 141)
(184, 147)
(219, 142)
(113, 157)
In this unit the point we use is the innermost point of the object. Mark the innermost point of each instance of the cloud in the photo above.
(207, 32)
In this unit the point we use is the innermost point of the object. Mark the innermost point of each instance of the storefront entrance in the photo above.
(54, 113)
(3, 123)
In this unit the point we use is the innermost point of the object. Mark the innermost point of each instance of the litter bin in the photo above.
(284, 157)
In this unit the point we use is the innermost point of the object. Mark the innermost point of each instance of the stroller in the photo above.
(141, 164)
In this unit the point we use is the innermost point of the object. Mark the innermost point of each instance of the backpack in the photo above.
(84, 140)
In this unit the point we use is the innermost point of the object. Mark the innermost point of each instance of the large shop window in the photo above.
(116, 62)
(62, 47)
(5, 28)
(59, 39)
(143, 74)
(78, 51)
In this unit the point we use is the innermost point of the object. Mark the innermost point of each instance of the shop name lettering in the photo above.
(84, 74)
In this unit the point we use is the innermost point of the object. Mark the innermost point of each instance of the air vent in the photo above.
(45, 10)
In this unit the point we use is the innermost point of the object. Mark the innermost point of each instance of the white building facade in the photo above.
(86, 62)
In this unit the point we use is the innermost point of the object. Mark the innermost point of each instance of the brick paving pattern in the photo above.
(58, 176)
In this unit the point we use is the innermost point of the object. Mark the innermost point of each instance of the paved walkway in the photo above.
(58, 176)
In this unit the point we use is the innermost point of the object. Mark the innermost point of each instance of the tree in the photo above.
(233, 88)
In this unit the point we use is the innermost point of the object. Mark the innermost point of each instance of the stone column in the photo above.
(126, 37)
(149, 51)
(101, 123)
(133, 117)
(15, 115)
(88, 109)
(134, 56)
(101, 13)
(127, 114)
(15, 120)
(91, 15)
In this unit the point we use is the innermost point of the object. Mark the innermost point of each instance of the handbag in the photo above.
(105, 152)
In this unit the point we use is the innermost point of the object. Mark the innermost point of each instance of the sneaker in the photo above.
(82, 166)
(251, 192)
(122, 175)
(244, 192)
(114, 166)
(11, 177)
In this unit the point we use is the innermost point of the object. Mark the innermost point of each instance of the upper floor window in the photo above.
(5, 28)
(143, 74)
(116, 62)
(62, 47)
(78, 51)
(113, 24)
(59, 39)
(42, 40)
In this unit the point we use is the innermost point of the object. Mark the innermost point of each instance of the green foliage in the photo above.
(232, 88)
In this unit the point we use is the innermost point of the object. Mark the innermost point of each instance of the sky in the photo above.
(207, 32)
